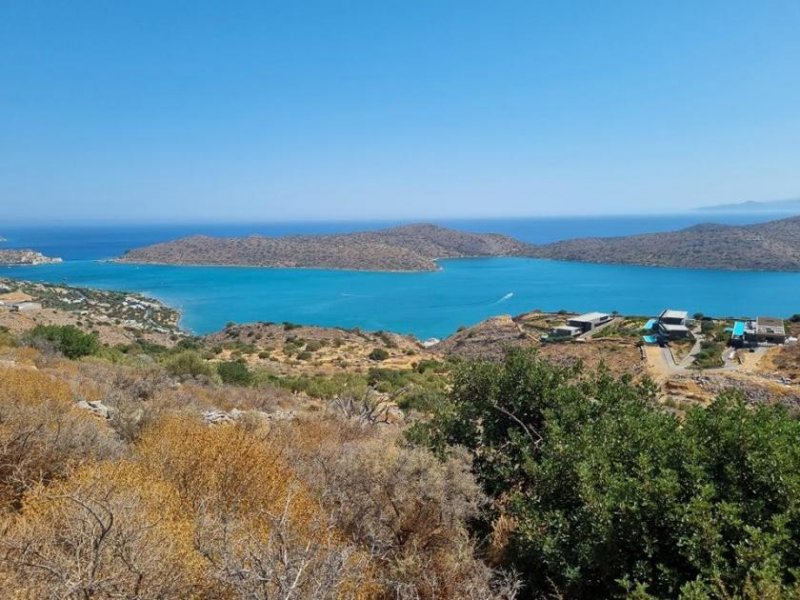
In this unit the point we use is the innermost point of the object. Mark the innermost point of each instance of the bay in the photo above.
(433, 304)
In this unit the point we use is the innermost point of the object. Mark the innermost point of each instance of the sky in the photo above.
(311, 110)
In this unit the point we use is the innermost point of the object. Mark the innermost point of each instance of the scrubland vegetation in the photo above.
(518, 479)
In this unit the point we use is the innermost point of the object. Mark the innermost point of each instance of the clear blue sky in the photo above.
(193, 110)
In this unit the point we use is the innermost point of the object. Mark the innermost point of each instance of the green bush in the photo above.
(610, 496)
(235, 372)
(67, 339)
(378, 354)
(188, 363)
(313, 346)
(6, 338)
(322, 387)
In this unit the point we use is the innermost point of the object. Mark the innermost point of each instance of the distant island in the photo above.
(784, 206)
(404, 248)
(25, 257)
(772, 246)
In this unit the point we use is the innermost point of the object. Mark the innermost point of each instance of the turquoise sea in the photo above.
(464, 292)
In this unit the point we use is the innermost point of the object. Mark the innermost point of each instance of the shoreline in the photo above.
(275, 267)
(438, 260)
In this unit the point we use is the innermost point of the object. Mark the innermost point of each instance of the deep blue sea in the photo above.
(424, 304)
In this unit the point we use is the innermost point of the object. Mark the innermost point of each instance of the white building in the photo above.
(673, 324)
(589, 321)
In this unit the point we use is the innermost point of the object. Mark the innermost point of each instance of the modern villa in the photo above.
(589, 321)
(669, 325)
(764, 330)
(581, 324)
(566, 331)
(672, 324)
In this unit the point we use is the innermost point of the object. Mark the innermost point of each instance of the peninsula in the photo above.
(771, 246)
(25, 257)
(404, 248)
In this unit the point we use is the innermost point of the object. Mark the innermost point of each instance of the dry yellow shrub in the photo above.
(111, 530)
(225, 465)
(26, 386)
(42, 433)
(264, 534)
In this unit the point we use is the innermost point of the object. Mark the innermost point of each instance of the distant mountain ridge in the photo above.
(790, 205)
(771, 246)
(403, 248)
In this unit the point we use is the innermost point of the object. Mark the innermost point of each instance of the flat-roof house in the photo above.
(26, 306)
(589, 321)
(566, 331)
(11, 298)
(672, 324)
(674, 317)
(769, 330)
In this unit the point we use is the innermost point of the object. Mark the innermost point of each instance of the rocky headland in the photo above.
(25, 257)
(771, 246)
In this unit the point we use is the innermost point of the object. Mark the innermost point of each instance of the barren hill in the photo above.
(772, 246)
(405, 248)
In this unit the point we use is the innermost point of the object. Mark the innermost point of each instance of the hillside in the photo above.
(772, 246)
(405, 248)
(272, 456)
(115, 317)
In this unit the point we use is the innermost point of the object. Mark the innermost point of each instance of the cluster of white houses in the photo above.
(673, 325)
(676, 325)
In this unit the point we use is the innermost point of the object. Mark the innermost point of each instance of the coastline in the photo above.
(280, 268)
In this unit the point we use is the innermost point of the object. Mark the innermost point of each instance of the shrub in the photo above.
(235, 372)
(188, 364)
(259, 528)
(378, 354)
(600, 494)
(6, 338)
(313, 346)
(67, 339)
(111, 530)
(42, 434)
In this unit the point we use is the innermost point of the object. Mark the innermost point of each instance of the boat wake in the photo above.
(508, 296)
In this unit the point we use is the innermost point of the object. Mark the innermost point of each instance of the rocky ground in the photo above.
(290, 349)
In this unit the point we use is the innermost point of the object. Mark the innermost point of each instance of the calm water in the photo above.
(424, 304)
